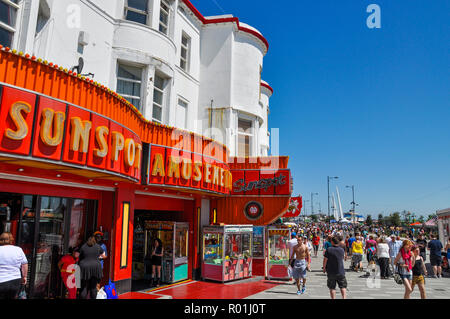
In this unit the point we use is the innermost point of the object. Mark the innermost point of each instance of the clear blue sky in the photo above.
(371, 106)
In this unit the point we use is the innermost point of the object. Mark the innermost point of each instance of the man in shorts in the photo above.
(333, 265)
(435, 247)
(301, 263)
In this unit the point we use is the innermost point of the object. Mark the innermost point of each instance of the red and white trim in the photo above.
(235, 20)
(267, 86)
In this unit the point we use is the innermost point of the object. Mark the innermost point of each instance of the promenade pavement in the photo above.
(359, 287)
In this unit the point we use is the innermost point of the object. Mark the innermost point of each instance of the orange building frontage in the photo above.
(76, 158)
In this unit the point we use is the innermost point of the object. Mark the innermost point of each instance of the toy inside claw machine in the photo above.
(227, 252)
(278, 252)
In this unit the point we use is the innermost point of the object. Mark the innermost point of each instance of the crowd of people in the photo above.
(81, 269)
(400, 258)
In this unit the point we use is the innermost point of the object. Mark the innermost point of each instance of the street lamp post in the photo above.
(353, 202)
(304, 205)
(328, 183)
(312, 202)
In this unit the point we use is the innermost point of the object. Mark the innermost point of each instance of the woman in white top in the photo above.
(383, 257)
(307, 243)
(13, 268)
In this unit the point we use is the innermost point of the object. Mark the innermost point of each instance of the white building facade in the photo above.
(179, 68)
(443, 223)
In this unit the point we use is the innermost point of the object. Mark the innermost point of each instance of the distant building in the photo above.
(443, 223)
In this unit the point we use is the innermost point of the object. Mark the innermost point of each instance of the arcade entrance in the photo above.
(174, 237)
(46, 236)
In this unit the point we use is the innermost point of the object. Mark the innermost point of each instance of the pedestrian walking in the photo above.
(13, 268)
(347, 247)
(435, 247)
(419, 272)
(382, 254)
(99, 239)
(422, 244)
(404, 262)
(370, 243)
(291, 244)
(301, 264)
(91, 268)
(394, 247)
(333, 266)
(327, 243)
(157, 253)
(350, 243)
(357, 253)
(371, 253)
(316, 242)
(309, 246)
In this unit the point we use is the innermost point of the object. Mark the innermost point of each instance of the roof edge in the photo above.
(204, 20)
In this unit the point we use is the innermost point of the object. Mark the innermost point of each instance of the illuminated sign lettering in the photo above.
(53, 141)
(173, 167)
(241, 186)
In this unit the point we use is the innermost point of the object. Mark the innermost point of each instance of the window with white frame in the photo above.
(185, 52)
(43, 16)
(158, 98)
(164, 14)
(8, 17)
(181, 114)
(129, 84)
(137, 11)
(245, 136)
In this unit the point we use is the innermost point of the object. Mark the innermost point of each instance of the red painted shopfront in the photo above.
(75, 158)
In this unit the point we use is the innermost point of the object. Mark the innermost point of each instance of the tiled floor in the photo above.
(359, 287)
(204, 290)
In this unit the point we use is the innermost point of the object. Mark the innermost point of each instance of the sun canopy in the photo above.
(431, 223)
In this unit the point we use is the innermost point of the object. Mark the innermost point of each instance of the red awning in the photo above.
(295, 207)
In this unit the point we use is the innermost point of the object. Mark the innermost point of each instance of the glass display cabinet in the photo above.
(278, 252)
(227, 252)
(259, 250)
(174, 237)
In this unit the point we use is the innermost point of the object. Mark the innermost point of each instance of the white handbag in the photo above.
(101, 294)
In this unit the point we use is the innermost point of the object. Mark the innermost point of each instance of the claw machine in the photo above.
(278, 252)
(227, 252)
(259, 250)
(174, 238)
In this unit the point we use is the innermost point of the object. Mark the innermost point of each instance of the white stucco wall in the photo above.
(216, 65)
(224, 62)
